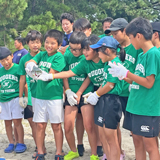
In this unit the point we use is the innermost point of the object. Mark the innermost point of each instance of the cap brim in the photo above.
(111, 29)
(95, 46)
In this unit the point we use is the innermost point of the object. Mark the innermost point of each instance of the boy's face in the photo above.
(35, 45)
(119, 35)
(135, 41)
(51, 45)
(7, 62)
(17, 44)
(89, 53)
(67, 26)
(75, 49)
(106, 25)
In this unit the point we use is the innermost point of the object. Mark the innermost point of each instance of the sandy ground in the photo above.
(127, 144)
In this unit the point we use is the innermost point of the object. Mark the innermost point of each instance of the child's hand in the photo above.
(23, 101)
(71, 97)
(30, 66)
(46, 76)
(86, 96)
(93, 98)
(78, 97)
(118, 70)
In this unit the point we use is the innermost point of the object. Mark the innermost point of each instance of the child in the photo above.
(156, 34)
(9, 101)
(118, 30)
(49, 95)
(143, 107)
(34, 40)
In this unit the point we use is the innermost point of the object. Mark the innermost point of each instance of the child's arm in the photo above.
(82, 88)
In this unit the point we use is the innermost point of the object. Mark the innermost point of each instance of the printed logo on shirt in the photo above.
(73, 65)
(45, 64)
(19, 54)
(6, 84)
(8, 76)
(129, 58)
(144, 128)
(96, 72)
(140, 68)
(134, 86)
(100, 119)
(98, 79)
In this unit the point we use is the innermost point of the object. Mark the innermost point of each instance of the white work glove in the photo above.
(86, 96)
(93, 98)
(46, 76)
(30, 74)
(118, 70)
(30, 66)
(23, 101)
(71, 97)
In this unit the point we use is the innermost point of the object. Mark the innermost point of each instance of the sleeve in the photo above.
(58, 63)
(21, 68)
(152, 64)
(79, 68)
(37, 57)
(24, 53)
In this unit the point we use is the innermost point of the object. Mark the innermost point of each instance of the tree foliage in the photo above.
(19, 16)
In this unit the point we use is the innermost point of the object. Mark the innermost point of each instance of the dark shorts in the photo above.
(108, 111)
(123, 101)
(81, 103)
(146, 126)
(28, 112)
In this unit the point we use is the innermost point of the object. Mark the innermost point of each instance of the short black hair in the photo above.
(92, 39)
(108, 19)
(53, 33)
(77, 37)
(67, 16)
(140, 25)
(81, 24)
(21, 40)
(157, 32)
(33, 35)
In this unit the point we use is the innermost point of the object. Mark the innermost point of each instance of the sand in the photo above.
(127, 145)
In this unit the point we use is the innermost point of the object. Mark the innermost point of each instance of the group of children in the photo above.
(101, 78)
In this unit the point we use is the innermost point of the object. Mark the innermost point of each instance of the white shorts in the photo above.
(48, 109)
(11, 110)
(33, 103)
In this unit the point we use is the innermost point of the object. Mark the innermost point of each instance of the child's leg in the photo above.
(69, 121)
(15, 134)
(33, 127)
(8, 126)
(151, 147)
(40, 136)
(105, 144)
(20, 130)
(139, 147)
(119, 137)
(88, 120)
(79, 128)
(111, 136)
(58, 135)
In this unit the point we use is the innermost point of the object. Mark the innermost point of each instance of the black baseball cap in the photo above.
(4, 52)
(117, 24)
(156, 26)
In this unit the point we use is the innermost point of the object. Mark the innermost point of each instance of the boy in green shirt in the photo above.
(34, 40)
(9, 101)
(49, 95)
(143, 107)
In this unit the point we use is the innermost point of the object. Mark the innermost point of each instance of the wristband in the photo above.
(97, 94)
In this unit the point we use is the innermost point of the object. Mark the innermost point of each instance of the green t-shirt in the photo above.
(50, 90)
(94, 71)
(9, 81)
(76, 81)
(159, 48)
(108, 78)
(21, 71)
(143, 101)
(130, 64)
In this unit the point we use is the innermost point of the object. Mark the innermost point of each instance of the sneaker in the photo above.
(9, 149)
(80, 148)
(20, 148)
(99, 151)
(59, 157)
(93, 157)
(71, 155)
(104, 157)
(40, 157)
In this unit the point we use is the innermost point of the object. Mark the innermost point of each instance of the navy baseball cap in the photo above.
(117, 24)
(156, 26)
(106, 41)
(4, 52)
